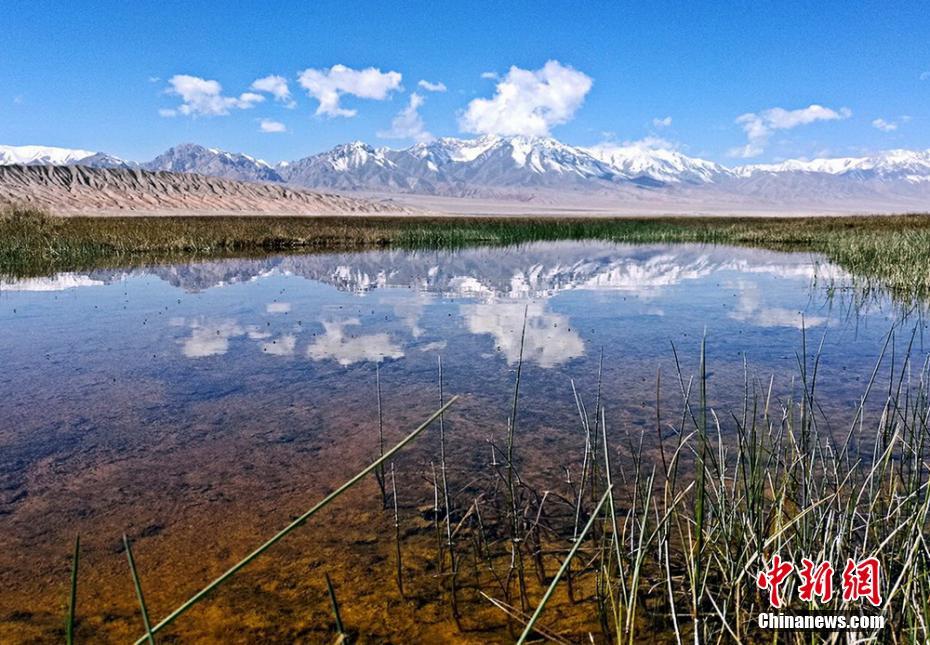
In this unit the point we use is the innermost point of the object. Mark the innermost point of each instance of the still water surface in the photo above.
(199, 406)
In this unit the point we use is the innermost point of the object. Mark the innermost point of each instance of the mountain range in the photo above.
(545, 170)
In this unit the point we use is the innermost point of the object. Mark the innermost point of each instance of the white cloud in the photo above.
(490, 76)
(408, 124)
(167, 113)
(270, 126)
(210, 338)
(278, 307)
(651, 143)
(760, 126)
(202, 97)
(750, 309)
(529, 102)
(328, 85)
(884, 126)
(277, 87)
(281, 346)
(345, 349)
(435, 346)
(433, 87)
(549, 339)
(410, 311)
(662, 123)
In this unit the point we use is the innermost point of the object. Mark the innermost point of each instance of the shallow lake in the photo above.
(199, 407)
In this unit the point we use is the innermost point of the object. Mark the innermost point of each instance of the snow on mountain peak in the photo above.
(41, 155)
(190, 157)
(467, 150)
(642, 159)
(912, 165)
(349, 156)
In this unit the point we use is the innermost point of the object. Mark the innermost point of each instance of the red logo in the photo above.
(773, 577)
(815, 582)
(860, 580)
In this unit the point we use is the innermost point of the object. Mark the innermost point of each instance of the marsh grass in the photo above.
(671, 549)
(892, 250)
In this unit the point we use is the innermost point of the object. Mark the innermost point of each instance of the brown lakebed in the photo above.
(199, 407)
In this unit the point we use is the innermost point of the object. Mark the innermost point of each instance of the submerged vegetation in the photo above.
(893, 250)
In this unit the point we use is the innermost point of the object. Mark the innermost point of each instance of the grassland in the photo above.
(892, 250)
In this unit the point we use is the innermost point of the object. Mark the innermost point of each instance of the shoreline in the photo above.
(892, 249)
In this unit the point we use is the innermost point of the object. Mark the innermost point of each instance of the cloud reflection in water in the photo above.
(337, 345)
(550, 341)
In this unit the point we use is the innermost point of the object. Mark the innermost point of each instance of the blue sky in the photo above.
(135, 78)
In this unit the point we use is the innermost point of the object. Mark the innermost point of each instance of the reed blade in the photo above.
(72, 598)
(138, 585)
(335, 605)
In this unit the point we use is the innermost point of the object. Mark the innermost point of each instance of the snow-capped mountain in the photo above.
(104, 160)
(661, 165)
(909, 165)
(517, 161)
(189, 157)
(457, 167)
(41, 155)
(535, 270)
(52, 156)
(641, 176)
(350, 166)
(467, 167)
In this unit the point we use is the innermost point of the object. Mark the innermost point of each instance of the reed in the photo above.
(447, 511)
(337, 615)
(527, 630)
(379, 471)
(515, 536)
(705, 516)
(399, 560)
(138, 587)
(72, 596)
